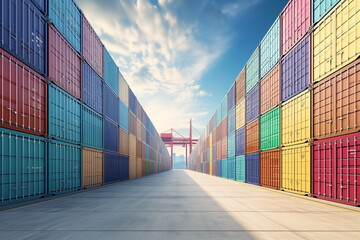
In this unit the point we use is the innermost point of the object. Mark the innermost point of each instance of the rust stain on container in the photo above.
(270, 168)
(252, 137)
(270, 90)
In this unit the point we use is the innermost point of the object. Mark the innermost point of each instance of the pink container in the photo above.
(93, 50)
(336, 169)
(64, 64)
(295, 22)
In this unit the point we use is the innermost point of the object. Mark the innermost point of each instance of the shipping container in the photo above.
(252, 104)
(224, 128)
(336, 39)
(224, 108)
(240, 142)
(123, 90)
(270, 130)
(124, 117)
(23, 166)
(124, 143)
(240, 168)
(111, 104)
(295, 23)
(336, 103)
(132, 168)
(231, 145)
(218, 150)
(135, 147)
(23, 33)
(321, 8)
(66, 16)
(23, 97)
(252, 168)
(214, 171)
(219, 168)
(64, 167)
(270, 90)
(252, 70)
(92, 128)
(252, 137)
(92, 167)
(295, 168)
(295, 120)
(92, 48)
(111, 136)
(231, 168)
(132, 102)
(41, 5)
(295, 70)
(64, 63)
(116, 167)
(270, 169)
(231, 121)
(335, 169)
(270, 48)
(132, 123)
(138, 167)
(240, 113)
(92, 88)
(111, 72)
(64, 116)
(224, 168)
(240, 85)
(231, 98)
(224, 147)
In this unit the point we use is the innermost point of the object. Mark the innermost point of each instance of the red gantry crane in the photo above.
(170, 140)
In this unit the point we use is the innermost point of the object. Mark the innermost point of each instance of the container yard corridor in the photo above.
(180, 204)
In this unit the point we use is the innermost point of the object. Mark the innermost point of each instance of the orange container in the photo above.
(224, 147)
(132, 145)
(252, 137)
(92, 166)
(132, 167)
(270, 90)
(218, 150)
(240, 85)
(138, 167)
(123, 142)
(270, 168)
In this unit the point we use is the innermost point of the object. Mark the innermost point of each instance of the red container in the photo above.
(295, 21)
(224, 128)
(218, 150)
(64, 64)
(93, 49)
(270, 90)
(252, 137)
(336, 169)
(23, 97)
(270, 168)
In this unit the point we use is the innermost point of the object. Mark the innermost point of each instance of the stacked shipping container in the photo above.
(65, 119)
(296, 100)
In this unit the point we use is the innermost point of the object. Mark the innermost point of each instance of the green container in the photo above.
(224, 165)
(270, 130)
(252, 70)
(240, 168)
(147, 167)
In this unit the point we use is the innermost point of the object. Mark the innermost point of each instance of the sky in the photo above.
(180, 57)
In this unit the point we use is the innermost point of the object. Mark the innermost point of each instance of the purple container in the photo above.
(218, 168)
(252, 168)
(111, 136)
(252, 104)
(231, 98)
(92, 88)
(240, 142)
(295, 70)
(111, 104)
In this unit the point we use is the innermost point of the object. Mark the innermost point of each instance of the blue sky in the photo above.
(181, 57)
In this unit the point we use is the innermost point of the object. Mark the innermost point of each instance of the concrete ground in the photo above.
(181, 205)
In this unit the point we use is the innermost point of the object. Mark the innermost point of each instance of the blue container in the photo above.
(124, 117)
(64, 167)
(153, 167)
(64, 116)
(231, 121)
(252, 104)
(321, 8)
(147, 152)
(231, 168)
(41, 5)
(23, 166)
(224, 169)
(252, 168)
(111, 136)
(92, 128)
(240, 168)
(123, 168)
(231, 98)
(132, 102)
(92, 88)
(111, 105)
(203, 167)
(240, 142)
(231, 145)
(66, 16)
(218, 168)
(111, 72)
(147, 137)
(111, 167)
(224, 108)
(23, 33)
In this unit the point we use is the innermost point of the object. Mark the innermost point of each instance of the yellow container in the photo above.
(295, 119)
(336, 39)
(295, 168)
(240, 114)
(92, 165)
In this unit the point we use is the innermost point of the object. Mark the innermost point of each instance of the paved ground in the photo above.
(180, 205)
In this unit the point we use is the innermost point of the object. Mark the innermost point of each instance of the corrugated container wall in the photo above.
(124, 144)
(23, 97)
(92, 88)
(336, 39)
(270, 90)
(231, 168)
(92, 128)
(240, 113)
(337, 103)
(92, 167)
(270, 130)
(66, 17)
(321, 8)
(224, 168)
(224, 147)
(270, 49)
(123, 90)
(23, 33)
(231, 98)
(224, 108)
(124, 117)
(270, 169)
(252, 70)
(252, 137)
(64, 63)
(231, 145)
(42, 5)
(64, 116)
(240, 168)
(240, 141)
(111, 105)
(240, 85)
(111, 72)
(132, 102)
(23, 166)
(252, 168)
(296, 21)
(231, 121)
(252, 104)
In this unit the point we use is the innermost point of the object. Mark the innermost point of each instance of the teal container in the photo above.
(231, 168)
(224, 168)
(111, 73)
(23, 166)
(65, 169)
(124, 117)
(218, 116)
(252, 70)
(240, 168)
(321, 8)
(92, 129)
(64, 116)
(270, 129)
(224, 107)
(231, 145)
(270, 49)
(147, 152)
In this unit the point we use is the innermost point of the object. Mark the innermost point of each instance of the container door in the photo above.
(302, 169)
(287, 169)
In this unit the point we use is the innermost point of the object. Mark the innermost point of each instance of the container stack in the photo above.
(296, 119)
(64, 106)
